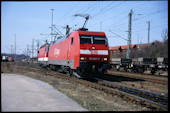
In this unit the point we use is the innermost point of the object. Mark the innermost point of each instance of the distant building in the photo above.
(120, 51)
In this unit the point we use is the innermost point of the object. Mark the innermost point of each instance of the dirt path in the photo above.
(21, 93)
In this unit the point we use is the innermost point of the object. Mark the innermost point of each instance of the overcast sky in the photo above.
(30, 19)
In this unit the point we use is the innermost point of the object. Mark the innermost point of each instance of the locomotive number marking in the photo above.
(94, 58)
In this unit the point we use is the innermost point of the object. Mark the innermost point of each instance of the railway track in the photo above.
(142, 74)
(146, 78)
(103, 86)
(150, 96)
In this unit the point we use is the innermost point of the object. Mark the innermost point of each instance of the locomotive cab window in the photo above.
(47, 50)
(90, 39)
(99, 40)
(85, 40)
(72, 41)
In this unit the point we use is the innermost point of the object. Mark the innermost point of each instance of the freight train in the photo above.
(78, 53)
(140, 64)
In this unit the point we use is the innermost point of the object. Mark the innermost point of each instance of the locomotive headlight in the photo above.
(105, 59)
(82, 58)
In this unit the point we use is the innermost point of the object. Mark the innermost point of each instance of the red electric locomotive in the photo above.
(43, 55)
(79, 53)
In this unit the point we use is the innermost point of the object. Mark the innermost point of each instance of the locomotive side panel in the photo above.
(74, 51)
(59, 54)
(58, 51)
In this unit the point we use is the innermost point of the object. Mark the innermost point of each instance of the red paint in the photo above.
(66, 51)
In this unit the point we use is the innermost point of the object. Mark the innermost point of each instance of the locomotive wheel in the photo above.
(69, 72)
(153, 72)
(117, 67)
(79, 71)
(142, 70)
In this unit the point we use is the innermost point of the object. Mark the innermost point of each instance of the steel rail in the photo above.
(163, 82)
(157, 97)
(142, 74)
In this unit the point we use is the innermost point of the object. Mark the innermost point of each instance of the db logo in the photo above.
(56, 52)
(94, 52)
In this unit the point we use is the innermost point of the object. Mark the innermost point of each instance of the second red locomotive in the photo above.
(77, 54)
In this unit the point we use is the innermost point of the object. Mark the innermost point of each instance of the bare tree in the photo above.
(165, 39)
(165, 35)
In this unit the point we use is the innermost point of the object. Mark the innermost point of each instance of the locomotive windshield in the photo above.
(99, 40)
(89, 39)
(85, 40)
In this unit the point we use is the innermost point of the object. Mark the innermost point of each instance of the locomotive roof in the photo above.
(59, 39)
(80, 32)
(44, 45)
(91, 33)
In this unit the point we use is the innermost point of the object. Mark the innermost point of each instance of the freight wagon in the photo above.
(140, 64)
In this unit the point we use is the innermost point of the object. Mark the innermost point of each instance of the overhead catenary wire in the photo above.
(80, 21)
(151, 14)
(66, 14)
(73, 18)
(123, 17)
(105, 10)
(132, 9)
(140, 18)
(88, 9)
(126, 16)
(152, 27)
